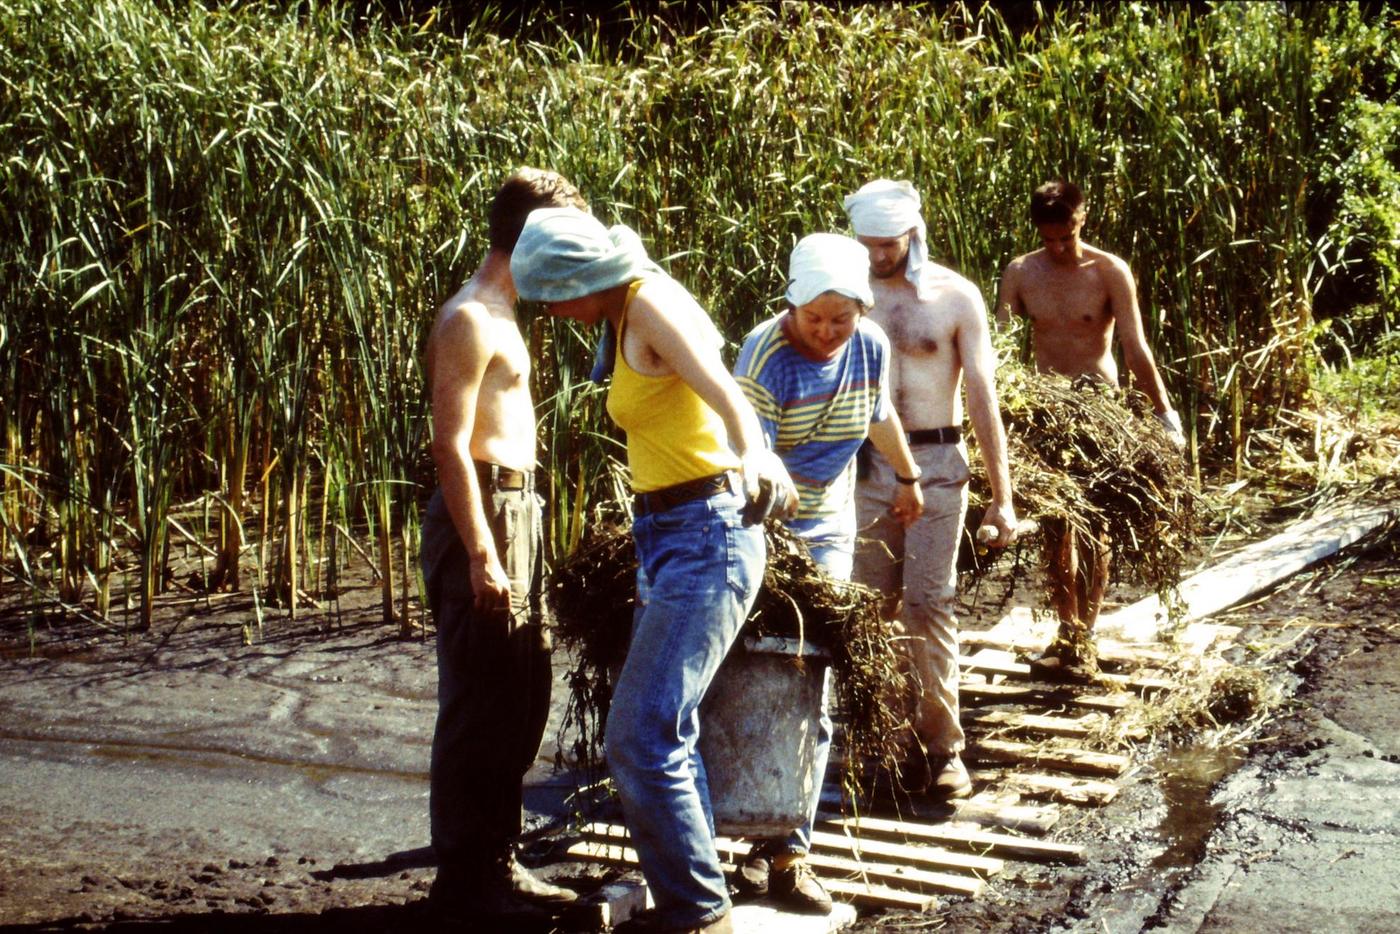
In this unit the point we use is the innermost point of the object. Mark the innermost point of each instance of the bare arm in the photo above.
(697, 362)
(1127, 316)
(1008, 294)
(459, 352)
(888, 438)
(979, 366)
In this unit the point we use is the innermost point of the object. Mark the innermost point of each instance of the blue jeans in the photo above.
(698, 571)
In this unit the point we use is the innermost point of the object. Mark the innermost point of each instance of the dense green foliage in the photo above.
(225, 231)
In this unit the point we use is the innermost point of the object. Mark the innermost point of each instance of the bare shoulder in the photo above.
(1111, 266)
(955, 294)
(666, 306)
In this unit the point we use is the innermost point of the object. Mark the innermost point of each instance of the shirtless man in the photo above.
(937, 325)
(480, 547)
(1076, 297)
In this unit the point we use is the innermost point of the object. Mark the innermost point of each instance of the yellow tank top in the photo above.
(672, 435)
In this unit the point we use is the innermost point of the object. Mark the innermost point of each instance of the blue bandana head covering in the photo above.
(564, 253)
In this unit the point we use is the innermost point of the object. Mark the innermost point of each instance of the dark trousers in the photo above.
(493, 682)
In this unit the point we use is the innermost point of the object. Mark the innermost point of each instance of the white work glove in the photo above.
(1172, 423)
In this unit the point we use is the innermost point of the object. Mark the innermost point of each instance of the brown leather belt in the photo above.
(950, 434)
(669, 497)
(496, 477)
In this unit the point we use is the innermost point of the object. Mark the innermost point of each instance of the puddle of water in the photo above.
(1189, 773)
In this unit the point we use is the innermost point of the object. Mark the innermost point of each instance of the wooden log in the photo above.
(1084, 761)
(962, 835)
(915, 855)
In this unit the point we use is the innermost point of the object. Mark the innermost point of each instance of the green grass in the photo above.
(226, 230)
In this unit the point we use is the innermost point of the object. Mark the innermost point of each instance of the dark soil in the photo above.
(185, 780)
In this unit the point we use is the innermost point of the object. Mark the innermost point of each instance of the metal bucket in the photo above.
(758, 736)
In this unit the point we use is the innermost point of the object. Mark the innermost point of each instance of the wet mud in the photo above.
(188, 781)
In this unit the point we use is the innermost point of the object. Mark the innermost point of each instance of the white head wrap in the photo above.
(827, 262)
(565, 253)
(886, 208)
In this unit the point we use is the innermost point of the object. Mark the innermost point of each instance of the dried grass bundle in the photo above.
(592, 595)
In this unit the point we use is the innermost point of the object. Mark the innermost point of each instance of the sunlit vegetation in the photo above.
(225, 231)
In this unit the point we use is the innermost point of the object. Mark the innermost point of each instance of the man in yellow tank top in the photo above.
(697, 456)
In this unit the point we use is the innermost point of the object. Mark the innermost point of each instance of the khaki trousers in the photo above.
(916, 569)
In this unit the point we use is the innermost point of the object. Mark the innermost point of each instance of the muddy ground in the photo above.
(185, 780)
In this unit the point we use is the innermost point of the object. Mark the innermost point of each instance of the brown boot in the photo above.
(950, 778)
(797, 888)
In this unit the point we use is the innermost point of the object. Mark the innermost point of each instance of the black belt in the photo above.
(669, 497)
(950, 434)
(496, 477)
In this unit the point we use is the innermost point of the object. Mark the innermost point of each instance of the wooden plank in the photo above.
(979, 809)
(1083, 761)
(1110, 650)
(962, 835)
(609, 906)
(1065, 788)
(1251, 569)
(829, 866)
(995, 662)
(1015, 721)
(971, 690)
(917, 855)
(767, 917)
(879, 896)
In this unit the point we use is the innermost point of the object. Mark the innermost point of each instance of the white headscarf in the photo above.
(827, 262)
(886, 208)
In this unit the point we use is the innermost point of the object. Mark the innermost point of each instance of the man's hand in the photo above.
(1171, 421)
(908, 503)
(767, 486)
(491, 586)
(999, 526)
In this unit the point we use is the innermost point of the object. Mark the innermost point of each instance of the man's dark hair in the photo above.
(1056, 202)
(523, 191)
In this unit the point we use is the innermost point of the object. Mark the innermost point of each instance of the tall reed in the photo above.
(226, 230)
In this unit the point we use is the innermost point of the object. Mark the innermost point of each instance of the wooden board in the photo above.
(972, 691)
(925, 856)
(1067, 759)
(1251, 570)
(1110, 650)
(961, 835)
(996, 662)
(1066, 789)
(1016, 722)
(879, 896)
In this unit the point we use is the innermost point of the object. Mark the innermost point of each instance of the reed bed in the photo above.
(226, 230)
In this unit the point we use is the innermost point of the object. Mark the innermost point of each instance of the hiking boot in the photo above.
(798, 889)
(454, 905)
(950, 778)
(753, 875)
(525, 884)
(500, 889)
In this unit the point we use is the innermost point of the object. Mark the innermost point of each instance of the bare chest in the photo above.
(1068, 301)
(914, 330)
